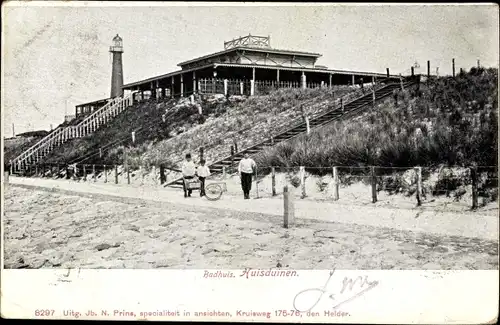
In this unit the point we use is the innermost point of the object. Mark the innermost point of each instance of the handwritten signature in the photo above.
(347, 283)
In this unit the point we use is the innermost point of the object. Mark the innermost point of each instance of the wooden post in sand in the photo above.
(257, 181)
(418, 172)
(36, 169)
(303, 181)
(84, 173)
(163, 177)
(273, 181)
(335, 183)
(128, 175)
(374, 185)
(223, 172)
(473, 176)
(93, 174)
(288, 210)
(232, 157)
(116, 174)
(105, 174)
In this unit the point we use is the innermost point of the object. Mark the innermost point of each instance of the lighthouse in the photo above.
(117, 73)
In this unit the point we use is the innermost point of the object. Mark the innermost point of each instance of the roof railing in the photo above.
(249, 41)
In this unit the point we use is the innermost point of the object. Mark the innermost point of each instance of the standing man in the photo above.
(246, 169)
(188, 172)
(203, 172)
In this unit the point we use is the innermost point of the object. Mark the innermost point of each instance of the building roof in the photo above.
(170, 74)
(242, 65)
(252, 49)
(317, 69)
(99, 101)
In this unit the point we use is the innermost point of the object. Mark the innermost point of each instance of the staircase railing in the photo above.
(62, 134)
(288, 128)
(337, 105)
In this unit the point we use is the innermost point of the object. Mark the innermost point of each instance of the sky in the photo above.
(55, 54)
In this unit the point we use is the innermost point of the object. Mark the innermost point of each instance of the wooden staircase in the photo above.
(351, 108)
(74, 129)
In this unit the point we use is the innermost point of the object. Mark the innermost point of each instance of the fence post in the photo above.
(141, 172)
(225, 87)
(116, 174)
(473, 176)
(418, 171)
(93, 173)
(223, 172)
(84, 173)
(373, 97)
(252, 87)
(67, 172)
(288, 209)
(303, 181)
(153, 172)
(335, 183)
(163, 177)
(36, 169)
(105, 175)
(11, 167)
(374, 185)
(273, 180)
(232, 157)
(257, 181)
(201, 153)
(6, 177)
(241, 87)
(128, 175)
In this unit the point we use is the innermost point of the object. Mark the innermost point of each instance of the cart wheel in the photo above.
(213, 192)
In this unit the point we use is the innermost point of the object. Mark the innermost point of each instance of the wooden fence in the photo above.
(243, 87)
(411, 182)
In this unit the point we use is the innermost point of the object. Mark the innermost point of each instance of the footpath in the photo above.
(466, 224)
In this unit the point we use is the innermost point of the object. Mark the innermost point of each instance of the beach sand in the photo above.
(53, 230)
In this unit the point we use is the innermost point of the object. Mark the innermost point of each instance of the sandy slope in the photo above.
(44, 229)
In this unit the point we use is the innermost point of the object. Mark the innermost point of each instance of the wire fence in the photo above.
(473, 187)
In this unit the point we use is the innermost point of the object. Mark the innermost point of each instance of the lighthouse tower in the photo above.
(117, 72)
